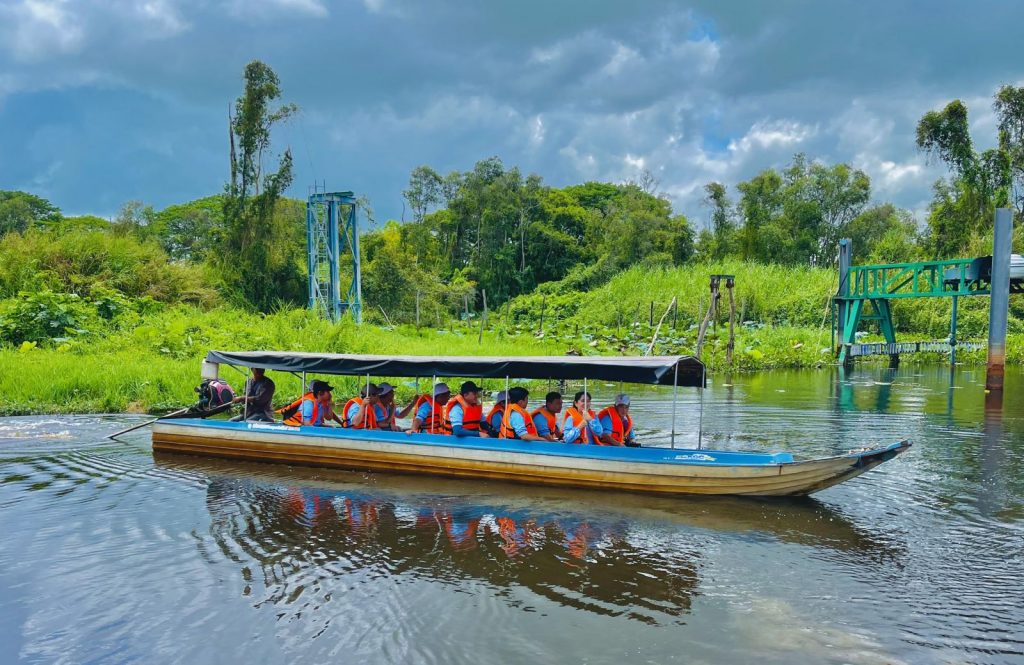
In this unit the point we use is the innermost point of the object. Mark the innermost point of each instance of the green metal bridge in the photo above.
(866, 292)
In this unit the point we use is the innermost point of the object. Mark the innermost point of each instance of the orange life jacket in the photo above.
(498, 408)
(369, 415)
(551, 418)
(619, 428)
(506, 422)
(296, 419)
(471, 414)
(578, 423)
(434, 424)
(344, 412)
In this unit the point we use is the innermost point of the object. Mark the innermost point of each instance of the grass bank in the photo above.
(152, 364)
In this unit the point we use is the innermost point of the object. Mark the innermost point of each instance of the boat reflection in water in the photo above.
(610, 554)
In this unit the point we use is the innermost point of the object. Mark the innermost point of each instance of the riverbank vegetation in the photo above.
(108, 315)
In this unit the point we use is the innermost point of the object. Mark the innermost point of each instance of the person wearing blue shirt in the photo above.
(616, 424)
(517, 423)
(580, 424)
(429, 416)
(464, 413)
(356, 409)
(384, 408)
(313, 414)
(545, 418)
(497, 412)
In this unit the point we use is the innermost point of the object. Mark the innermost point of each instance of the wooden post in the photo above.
(732, 318)
(417, 309)
(483, 319)
(707, 317)
(543, 304)
(650, 322)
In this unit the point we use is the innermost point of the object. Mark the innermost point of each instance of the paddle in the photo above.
(148, 422)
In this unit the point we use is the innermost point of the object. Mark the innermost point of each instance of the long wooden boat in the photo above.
(656, 470)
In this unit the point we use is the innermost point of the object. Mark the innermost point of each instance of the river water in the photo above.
(110, 555)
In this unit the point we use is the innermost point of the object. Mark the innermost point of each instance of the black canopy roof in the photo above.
(628, 369)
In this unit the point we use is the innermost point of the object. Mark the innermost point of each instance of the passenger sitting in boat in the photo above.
(463, 414)
(580, 425)
(545, 418)
(354, 410)
(497, 412)
(258, 398)
(516, 422)
(383, 409)
(429, 416)
(314, 404)
(617, 425)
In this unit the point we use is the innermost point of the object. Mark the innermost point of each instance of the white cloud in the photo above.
(37, 28)
(163, 18)
(766, 134)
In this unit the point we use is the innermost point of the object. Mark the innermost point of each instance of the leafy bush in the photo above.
(44, 317)
(74, 260)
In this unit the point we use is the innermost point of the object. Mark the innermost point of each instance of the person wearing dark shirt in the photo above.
(257, 398)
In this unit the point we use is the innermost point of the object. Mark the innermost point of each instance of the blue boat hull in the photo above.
(656, 470)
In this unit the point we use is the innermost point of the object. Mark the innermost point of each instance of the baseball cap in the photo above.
(469, 387)
(318, 386)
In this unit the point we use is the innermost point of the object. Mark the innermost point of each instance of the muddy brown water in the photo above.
(110, 555)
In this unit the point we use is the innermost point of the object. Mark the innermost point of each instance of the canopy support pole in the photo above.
(302, 388)
(433, 388)
(700, 418)
(675, 395)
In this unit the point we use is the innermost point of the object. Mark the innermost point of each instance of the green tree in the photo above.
(247, 250)
(980, 182)
(20, 211)
(721, 240)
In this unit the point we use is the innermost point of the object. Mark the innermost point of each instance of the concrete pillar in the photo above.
(999, 305)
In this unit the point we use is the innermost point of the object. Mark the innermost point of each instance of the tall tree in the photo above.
(723, 224)
(247, 248)
(980, 181)
(21, 210)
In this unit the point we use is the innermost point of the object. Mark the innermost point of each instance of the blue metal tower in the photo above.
(330, 227)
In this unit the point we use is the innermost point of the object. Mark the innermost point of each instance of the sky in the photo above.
(105, 101)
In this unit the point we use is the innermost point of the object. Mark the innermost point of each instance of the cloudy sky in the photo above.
(102, 101)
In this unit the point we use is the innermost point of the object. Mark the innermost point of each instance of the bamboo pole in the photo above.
(654, 338)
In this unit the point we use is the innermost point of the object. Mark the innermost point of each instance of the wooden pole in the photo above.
(650, 318)
(732, 318)
(465, 305)
(483, 319)
(417, 309)
(148, 422)
(543, 304)
(654, 338)
(675, 314)
(707, 317)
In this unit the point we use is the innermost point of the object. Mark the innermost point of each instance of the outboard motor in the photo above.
(214, 394)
